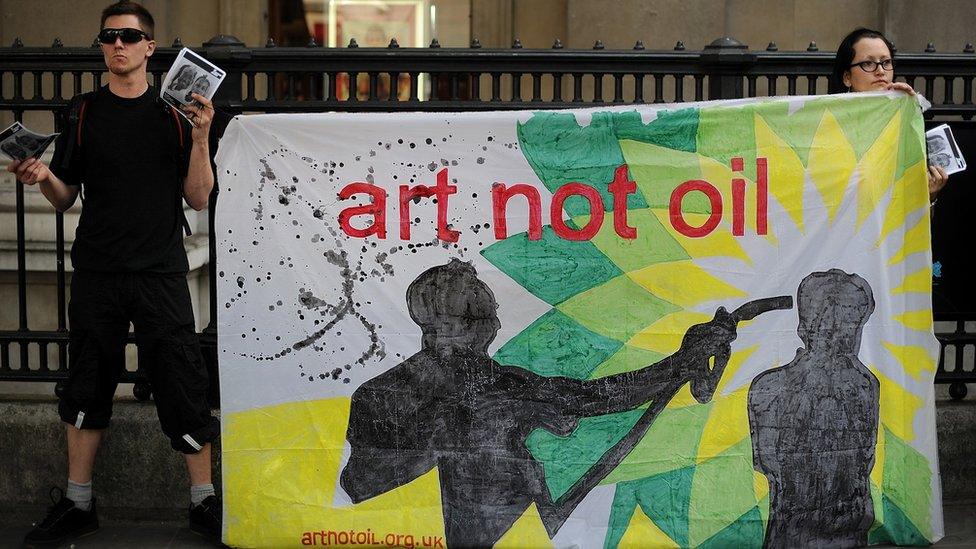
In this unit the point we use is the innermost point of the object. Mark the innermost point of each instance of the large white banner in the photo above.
(696, 325)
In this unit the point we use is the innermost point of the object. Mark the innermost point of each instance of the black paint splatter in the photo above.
(329, 313)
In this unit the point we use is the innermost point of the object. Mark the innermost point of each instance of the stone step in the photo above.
(115, 534)
(138, 476)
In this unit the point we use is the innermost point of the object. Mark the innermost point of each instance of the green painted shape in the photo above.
(617, 309)
(747, 531)
(907, 482)
(911, 149)
(561, 151)
(722, 491)
(663, 498)
(566, 459)
(677, 130)
(557, 345)
(627, 359)
(654, 244)
(863, 120)
(670, 443)
(657, 171)
(799, 127)
(551, 268)
(764, 512)
(878, 508)
(897, 529)
(727, 132)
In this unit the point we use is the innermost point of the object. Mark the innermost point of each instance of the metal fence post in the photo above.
(228, 53)
(725, 61)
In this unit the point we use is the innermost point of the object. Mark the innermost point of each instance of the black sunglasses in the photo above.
(128, 36)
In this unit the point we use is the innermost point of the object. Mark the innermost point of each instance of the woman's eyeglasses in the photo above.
(128, 36)
(871, 66)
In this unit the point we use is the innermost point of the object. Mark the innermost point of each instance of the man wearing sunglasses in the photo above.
(130, 266)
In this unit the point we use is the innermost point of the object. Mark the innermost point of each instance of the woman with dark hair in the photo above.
(865, 62)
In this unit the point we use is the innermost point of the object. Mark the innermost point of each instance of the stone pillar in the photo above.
(538, 23)
(245, 19)
(492, 22)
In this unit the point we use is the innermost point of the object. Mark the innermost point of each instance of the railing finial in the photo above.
(393, 43)
(311, 42)
(353, 43)
(726, 43)
(598, 45)
(679, 46)
(57, 43)
(813, 46)
(224, 40)
(18, 43)
(95, 43)
(517, 44)
(557, 45)
(772, 47)
(434, 43)
(969, 48)
(475, 43)
(177, 43)
(930, 48)
(270, 43)
(639, 45)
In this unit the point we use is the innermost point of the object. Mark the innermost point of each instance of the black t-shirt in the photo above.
(131, 172)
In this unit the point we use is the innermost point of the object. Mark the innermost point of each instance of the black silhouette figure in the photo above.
(814, 421)
(452, 407)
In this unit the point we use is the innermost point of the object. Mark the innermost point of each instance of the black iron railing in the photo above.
(312, 79)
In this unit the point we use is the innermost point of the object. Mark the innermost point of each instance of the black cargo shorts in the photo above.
(158, 306)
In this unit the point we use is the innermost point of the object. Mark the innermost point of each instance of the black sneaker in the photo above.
(64, 521)
(206, 518)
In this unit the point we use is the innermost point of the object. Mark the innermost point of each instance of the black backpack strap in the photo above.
(178, 125)
(77, 107)
(178, 137)
(181, 158)
(76, 116)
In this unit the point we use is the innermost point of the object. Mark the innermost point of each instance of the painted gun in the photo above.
(704, 380)
(711, 339)
(751, 309)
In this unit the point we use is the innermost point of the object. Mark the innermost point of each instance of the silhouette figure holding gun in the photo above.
(452, 407)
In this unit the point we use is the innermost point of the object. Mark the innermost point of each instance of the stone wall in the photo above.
(76, 21)
(137, 474)
(792, 24)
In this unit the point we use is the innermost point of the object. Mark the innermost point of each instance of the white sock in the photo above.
(200, 492)
(81, 494)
